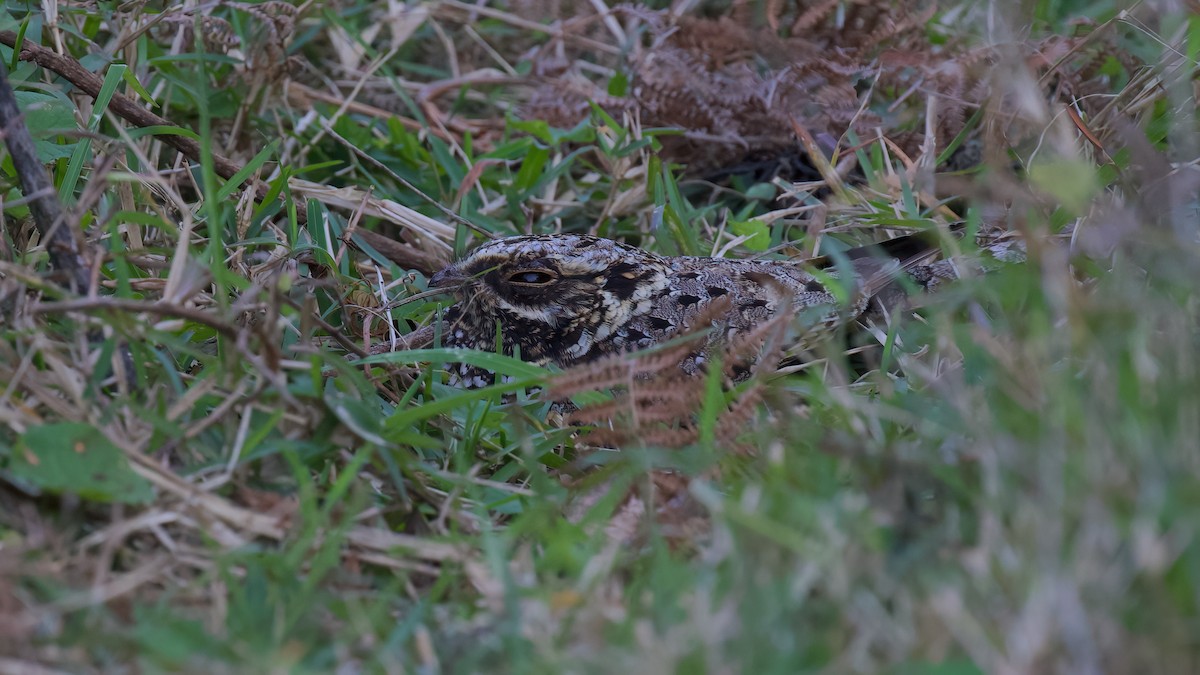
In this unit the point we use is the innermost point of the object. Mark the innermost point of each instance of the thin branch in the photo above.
(122, 105)
(124, 305)
(129, 110)
(47, 211)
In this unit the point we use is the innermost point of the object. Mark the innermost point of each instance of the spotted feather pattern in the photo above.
(568, 299)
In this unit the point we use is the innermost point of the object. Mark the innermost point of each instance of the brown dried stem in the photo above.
(123, 106)
(47, 211)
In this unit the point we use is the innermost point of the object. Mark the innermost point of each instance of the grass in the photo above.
(1012, 490)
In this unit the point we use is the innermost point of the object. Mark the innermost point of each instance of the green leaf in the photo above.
(164, 130)
(66, 191)
(499, 363)
(7, 22)
(402, 421)
(46, 117)
(714, 402)
(235, 181)
(77, 458)
(531, 169)
(138, 88)
(536, 128)
(762, 191)
(618, 85)
(1072, 182)
(757, 230)
(363, 419)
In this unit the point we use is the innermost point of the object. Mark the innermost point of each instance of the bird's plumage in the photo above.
(567, 299)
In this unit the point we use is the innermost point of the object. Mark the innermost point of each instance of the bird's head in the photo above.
(553, 295)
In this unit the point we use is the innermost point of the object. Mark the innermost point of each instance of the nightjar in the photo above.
(567, 299)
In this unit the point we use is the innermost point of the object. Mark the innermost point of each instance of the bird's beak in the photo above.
(450, 278)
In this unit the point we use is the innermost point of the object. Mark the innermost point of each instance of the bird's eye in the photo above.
(531, 277)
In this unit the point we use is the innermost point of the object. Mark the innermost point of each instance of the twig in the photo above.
(407, 257)
(130, 111)
(47, 212)
(125, 305)
(61, 239)
(347, 343)
(120, 104)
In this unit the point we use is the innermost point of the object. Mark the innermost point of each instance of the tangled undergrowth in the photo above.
(226, 439)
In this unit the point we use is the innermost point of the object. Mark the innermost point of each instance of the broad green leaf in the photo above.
(361, 418)
(531, 169)
(762, 191)
(757, 230)
(49, 151)
(618, 85)
(46, 117)
(1071, 182)
(77, 458)
(536, 128)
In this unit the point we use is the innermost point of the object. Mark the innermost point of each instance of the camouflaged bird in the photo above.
(567, 299)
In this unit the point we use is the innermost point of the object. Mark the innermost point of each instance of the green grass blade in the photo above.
(112, 79)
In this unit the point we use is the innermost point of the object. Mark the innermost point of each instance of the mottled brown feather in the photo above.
(569, 299)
